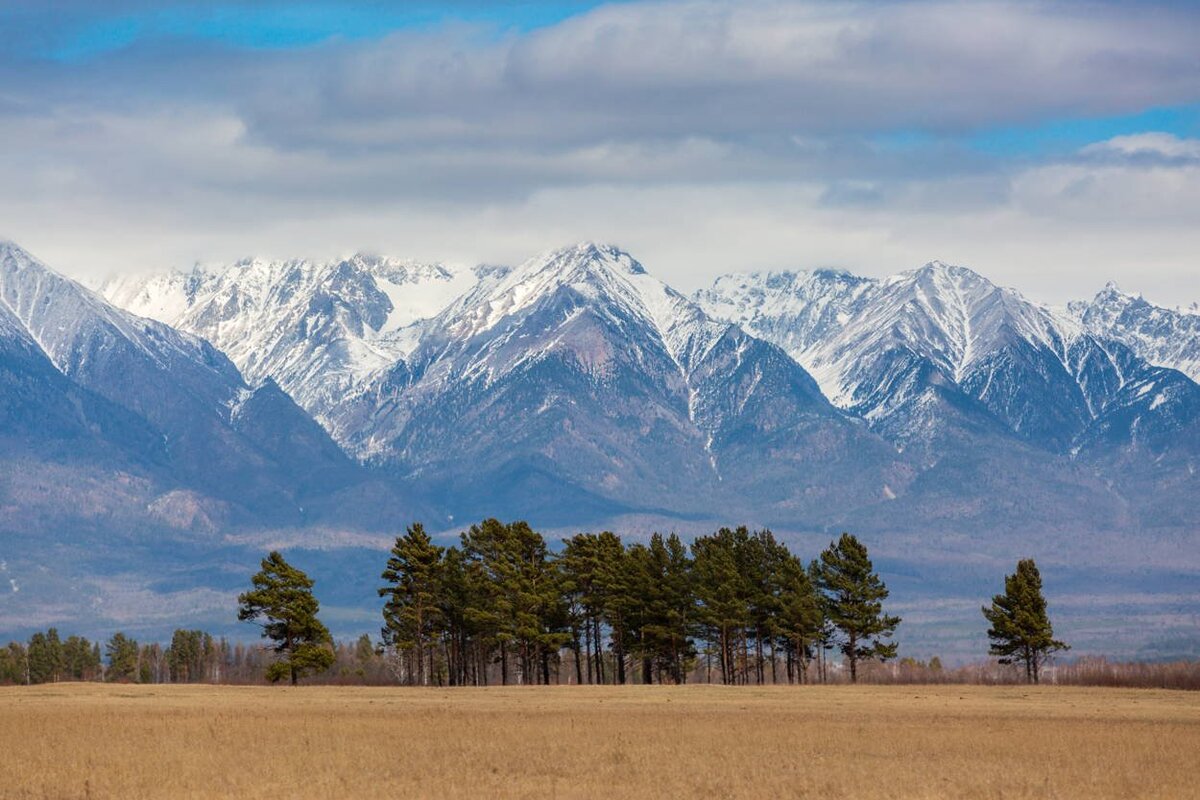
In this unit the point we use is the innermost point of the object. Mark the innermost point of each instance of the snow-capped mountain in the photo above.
(579, 370)
(1164, 337)
(167, 406)
(316, 328)
(940, 337)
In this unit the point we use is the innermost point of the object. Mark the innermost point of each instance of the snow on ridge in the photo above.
(58, 311)
(593, 270)
(1163, 336)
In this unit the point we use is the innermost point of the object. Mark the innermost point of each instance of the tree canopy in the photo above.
(854, 596)
(282, 603)
(1020, 631)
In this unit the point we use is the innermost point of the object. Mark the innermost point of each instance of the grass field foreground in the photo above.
(90, 740)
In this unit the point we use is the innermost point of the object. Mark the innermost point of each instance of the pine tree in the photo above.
(801, 620)
(466, 649)
(581, 568)
(679, 603)
(46, 658)
(412, 616)
(854, 597)
(721, 593)
(282, 596)
(80, 661)
(13, 664)
(122, 653)
(1020, 631)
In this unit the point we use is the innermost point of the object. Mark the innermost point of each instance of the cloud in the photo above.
(705, 136)
(1146, 148)
(722, 70)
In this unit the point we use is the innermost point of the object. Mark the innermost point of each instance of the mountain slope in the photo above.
(883, 348)
(579, 368)
(315, 328)
(1162, 336)
(187, 419)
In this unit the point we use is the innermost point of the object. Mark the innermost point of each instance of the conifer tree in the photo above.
(80, 661)
(46, 659)
(412, 615)
(679, 618)
(13, 664)
(466, 648)
(854, 596)
(721, 594)
(801, 620)
(282, 597)
(611, 577)
(1020, 631)
(123, 657)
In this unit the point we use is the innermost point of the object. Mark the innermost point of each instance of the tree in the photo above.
(854, 597)
(801, 620)
(412, 617)
(189, 656)
(81, 660)
(282, 596)
(13, 664)
(1020, 631)
(46, 659)
(722, 594)
(122, 653)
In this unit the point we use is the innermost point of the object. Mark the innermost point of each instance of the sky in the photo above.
(1050, 146)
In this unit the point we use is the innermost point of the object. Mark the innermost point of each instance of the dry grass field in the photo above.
(86, 740)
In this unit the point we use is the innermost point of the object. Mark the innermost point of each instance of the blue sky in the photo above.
(1053, 146)
(276, 25)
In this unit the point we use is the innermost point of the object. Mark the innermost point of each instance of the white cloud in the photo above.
(1162, 145)
(703, 136)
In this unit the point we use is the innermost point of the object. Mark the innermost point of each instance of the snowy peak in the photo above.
(78, 330)
(879, 347)
(316, 328)
(606, 277)
(957, 317)
(1164, 337)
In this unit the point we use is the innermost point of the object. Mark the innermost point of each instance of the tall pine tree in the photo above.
(854, 596)
(1020, 631)
(412, 615)
(282, 597)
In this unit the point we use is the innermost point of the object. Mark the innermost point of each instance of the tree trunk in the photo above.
(503, 664)
(587, 643)
(575, 649)
(598, 641)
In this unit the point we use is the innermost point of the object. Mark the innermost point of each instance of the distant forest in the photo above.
(734, 607)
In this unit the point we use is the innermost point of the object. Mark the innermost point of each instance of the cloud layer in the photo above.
(706, 136)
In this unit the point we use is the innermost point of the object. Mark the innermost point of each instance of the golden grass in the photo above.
(86, 740)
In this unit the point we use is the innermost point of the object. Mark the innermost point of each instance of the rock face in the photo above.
(876, 346)
(578, 370)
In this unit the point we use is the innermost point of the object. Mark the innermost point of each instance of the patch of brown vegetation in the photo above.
(89, 740)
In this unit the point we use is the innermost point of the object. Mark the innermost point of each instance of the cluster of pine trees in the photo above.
(500, 606)
(736, 604)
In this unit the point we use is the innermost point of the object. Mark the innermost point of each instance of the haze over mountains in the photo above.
(952, 423)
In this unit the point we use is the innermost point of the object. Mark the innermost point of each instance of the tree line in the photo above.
(499, 606)
(736, 605)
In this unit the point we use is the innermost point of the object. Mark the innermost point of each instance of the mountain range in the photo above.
(951, 422)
